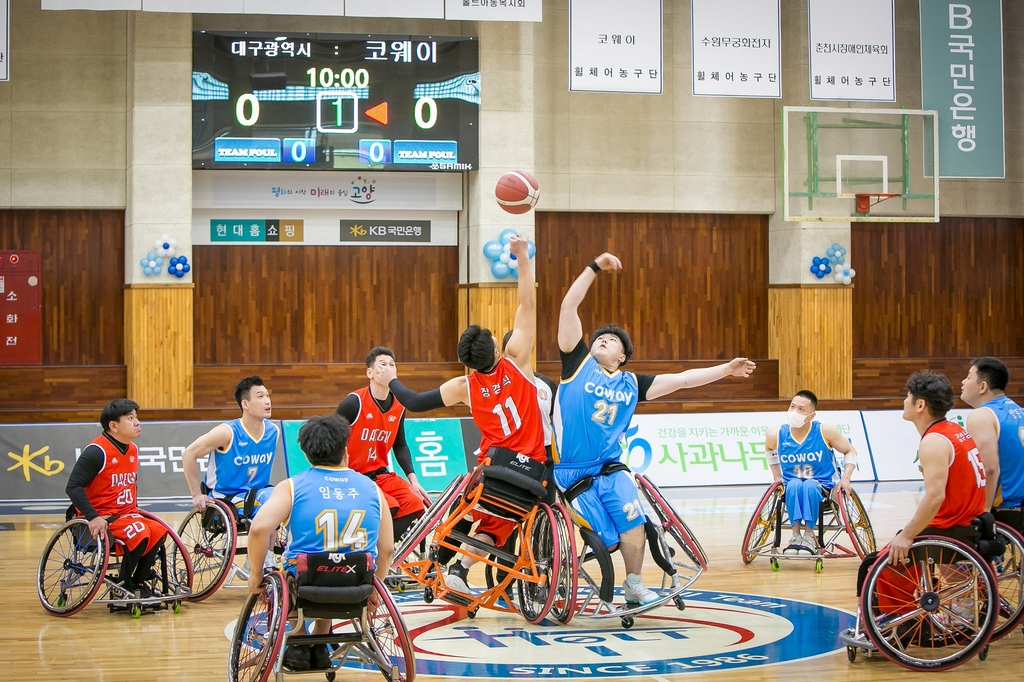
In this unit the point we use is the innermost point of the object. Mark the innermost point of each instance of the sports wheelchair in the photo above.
(673, 546)
(945, 605)
(513, 487)
(211, 537)
(76, 569)
(839, 514)
(332, 586)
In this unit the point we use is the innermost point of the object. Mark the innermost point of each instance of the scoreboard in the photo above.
(323, 101)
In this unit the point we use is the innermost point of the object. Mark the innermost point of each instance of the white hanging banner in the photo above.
(736, 48)
(193, 6)
(493, 10)
(135, 5)
(325, 8)
(5, 37)
(852, 49)
(412, 9)
(615, 46)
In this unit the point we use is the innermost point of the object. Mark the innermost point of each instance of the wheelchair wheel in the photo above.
(933, 612)
(564, 606)
(391, 638)
(259, 632)
(670, 518)
(177, 573)
(856, 520)
(1010, 577)
(209, 537)
(493, 577)
(430, 519)
(761, 528)
(71, 569)
(542, 541)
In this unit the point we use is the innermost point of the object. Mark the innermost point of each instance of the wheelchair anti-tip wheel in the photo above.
(209, 537)
(71, 568)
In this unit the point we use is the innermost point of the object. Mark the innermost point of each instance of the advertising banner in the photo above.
(894, 443)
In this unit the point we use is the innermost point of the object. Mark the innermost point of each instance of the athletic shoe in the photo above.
(457, 578)
(796, 543)
(319, 657)
(270, 562)
(296, 657)
(809, 542)
(635, 591)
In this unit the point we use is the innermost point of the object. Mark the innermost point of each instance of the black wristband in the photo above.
(594, 266)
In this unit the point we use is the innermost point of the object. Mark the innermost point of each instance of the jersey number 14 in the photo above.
(353, 536)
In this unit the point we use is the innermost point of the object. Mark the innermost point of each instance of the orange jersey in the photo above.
(965, 484)
(504, 406)
(113, 491)
(373, 433)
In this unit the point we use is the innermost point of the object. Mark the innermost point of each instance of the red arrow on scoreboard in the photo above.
(378, 113)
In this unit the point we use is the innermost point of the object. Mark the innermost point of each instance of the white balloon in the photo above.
(506, 248)
(504, 258)
(839, 276)
(853, 273)
(513, 264)
(169, 252)
(846, 280)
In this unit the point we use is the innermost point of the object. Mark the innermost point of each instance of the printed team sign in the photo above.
(722, 449)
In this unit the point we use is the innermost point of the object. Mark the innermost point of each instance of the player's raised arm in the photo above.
(669, 383)
(570, 328)
(452, 392)
(217, 438)
(524, 329)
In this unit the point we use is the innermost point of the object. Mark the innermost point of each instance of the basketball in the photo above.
(517, 192)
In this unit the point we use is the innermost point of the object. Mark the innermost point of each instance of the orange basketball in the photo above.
(517, 191)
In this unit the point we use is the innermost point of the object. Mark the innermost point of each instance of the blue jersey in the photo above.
(813, 458)
(334, 509)
(1010, 416)
(592, 410)
(245, 464)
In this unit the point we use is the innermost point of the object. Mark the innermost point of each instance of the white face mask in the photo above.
(796, 420)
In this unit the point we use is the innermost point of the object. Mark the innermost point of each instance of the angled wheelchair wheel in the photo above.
(1010, 577)
(209, 537)
(385, 627)
(933, 612)
(541, 540)
(669, 518)
(761, 527)
(259, 632)
(71, 568)
(175, 566)
(563, 608)
(430, 519)
(855, 518)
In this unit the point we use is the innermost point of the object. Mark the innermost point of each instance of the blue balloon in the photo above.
(831, 252)
(836, 246)
(182, 259)
(492, 249)
(512, 256)
(506, 236)
(514, 273)
(499, 269)
(144, 263)
(531, 249)
(840, 260)
(150, 255)
(186, 268)
(171, 270)
(147, 271)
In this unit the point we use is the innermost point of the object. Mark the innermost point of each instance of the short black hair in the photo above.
(504, 339)
(323, 439)
(627, 345)
(992, 371)
(810, 396)
(376, 353)
(476, 348)
(934, 389)
(243, 387)
(115, 409)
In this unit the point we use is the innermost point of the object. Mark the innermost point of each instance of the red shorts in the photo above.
(399, 495)
(133, 529)
(498, 528)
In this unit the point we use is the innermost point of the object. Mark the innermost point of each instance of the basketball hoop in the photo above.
(868, 199)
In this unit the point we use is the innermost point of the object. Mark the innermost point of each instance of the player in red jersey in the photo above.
(954, 475)
(102, 488)
(378, 427)
(501, 395)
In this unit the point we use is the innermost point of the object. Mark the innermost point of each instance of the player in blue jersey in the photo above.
(997, 426)
(801, 454)
(593, 406)
(328, 508)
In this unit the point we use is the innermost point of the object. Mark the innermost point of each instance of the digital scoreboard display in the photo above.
(322, 101)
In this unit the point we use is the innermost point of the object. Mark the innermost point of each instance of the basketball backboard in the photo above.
(859, 165)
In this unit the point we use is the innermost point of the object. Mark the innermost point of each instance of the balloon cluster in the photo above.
(833, 262)
(165, 247)
(179, 266)
(151, 264)
(504, 262)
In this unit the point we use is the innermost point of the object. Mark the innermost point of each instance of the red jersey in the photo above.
(504, 406)
(113, 491)
(373, 433)
(965, 484)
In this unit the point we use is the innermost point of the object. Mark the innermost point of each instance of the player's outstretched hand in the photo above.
(607, 261)
(519, 246)
(741, 367)
(201, 502)
(98, 527)
(256, 581)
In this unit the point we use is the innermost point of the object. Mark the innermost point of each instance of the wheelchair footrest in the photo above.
(457, 599)
(338, 638)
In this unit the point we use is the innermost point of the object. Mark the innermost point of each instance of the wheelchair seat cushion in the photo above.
(514, 478)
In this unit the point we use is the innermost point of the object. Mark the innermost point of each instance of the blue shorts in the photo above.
(610, 507)
(262, 495)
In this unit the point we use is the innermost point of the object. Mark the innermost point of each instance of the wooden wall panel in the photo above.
(158, 345)
(810, 333)
(82, 277)
(954, 289)
(692, 286)
(888, 377)
(298, 304)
